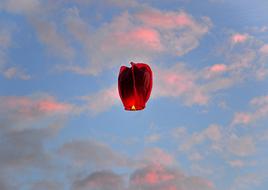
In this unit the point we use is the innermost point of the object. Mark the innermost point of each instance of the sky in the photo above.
(63, 125)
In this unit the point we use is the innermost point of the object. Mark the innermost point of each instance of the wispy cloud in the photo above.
(49, 35)
(241, 146)
(6, 69)
(14, 72)
(101, 101)
(47, 184)
(264, 49)
(248, 181)
(23, 110)
(142, 35)
(260, 105)
(180, 32)
(105, 180)
(212, 133)
(92, 153)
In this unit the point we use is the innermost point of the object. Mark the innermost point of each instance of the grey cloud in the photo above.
(93, 153)
(151, 177)
(104, 180)
(47, 185)
(22, 153)
(50, 36)
(241, 146)
(6, 70)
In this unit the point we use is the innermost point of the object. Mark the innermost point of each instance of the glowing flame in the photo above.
(133, 107)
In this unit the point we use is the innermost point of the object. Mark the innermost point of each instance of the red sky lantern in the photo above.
(135, 85)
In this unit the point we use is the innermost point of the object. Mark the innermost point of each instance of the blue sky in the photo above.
(63, 125)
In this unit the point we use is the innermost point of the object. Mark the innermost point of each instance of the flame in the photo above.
(133, 107)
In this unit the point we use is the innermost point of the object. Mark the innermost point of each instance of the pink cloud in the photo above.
(261, 111)
(178, 81)
(264, 49)
(239, 38)
(53, 106)
(30, 108)
(141, 36)
(172, 82)
(157, 156)
(134, 36)
(152, 175)
(166, 20)
(218, 68)
(242, 118)
(162, 178)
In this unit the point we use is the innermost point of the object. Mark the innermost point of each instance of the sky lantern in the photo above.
(135, 85)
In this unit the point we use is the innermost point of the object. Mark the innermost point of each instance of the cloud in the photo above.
(22, 111)
(224, 142)
(112, 44)
(104, 180)
(101, 101)
(14, 72)
(264, 49)
(160, 178)
(239, 38)
(215, 70)
(139, 34)
(166, 20)
(151, 177)
(152, 138)
(27, 124)
(195, 156)
(212, 133)
(5, 43)
(260, 105)
(157, 156)
(23, 149)
(91, 153)
(48, 34)
(248, 181)
(46, 184)
(241, 163)
(21, 7)
(23, 152)
(153, 169)
(178, 81)
(38, 13)
(180, 31)
(248, 59)
(109, 3)
(133, 36)
(241, 146)
(28, 106)
(5, 69)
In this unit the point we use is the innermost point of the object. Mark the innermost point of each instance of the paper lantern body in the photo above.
(135, 85)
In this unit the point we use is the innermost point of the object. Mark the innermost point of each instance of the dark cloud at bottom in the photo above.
(151, 177)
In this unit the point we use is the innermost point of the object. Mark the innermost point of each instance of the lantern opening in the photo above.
(134, 108)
